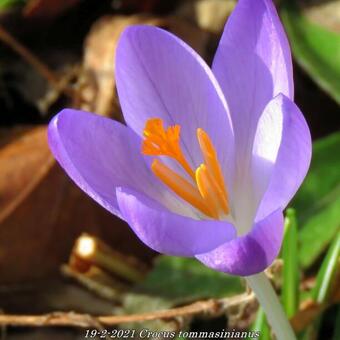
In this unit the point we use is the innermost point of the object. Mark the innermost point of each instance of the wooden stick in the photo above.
(33, 60)
(8, 39)
(208, 307)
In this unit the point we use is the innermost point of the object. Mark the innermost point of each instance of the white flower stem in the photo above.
(271, 305)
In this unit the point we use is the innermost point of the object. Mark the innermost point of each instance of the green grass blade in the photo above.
(261, 325)
(327, 272)
(318, 201)
(314, 47)
(4, 4)
(290, 286)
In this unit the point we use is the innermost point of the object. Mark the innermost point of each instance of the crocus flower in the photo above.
(208, 158)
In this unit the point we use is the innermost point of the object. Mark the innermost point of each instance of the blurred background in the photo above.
(60, 251)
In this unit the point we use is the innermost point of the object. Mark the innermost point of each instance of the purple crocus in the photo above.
(208, 158)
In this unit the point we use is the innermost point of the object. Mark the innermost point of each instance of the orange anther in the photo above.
(160, 142)
(208, 192)
(180, 186)
(213, 165)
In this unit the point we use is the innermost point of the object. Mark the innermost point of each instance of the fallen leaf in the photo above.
(17, 171)
(209, 15)
(47, 8)
(98, 88)
(42, 211)
(324, 13)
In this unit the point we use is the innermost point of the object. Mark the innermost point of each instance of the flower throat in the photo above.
(206, 191)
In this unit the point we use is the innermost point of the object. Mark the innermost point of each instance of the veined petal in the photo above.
(169, 233)
(100, 154)
(279, 162)
(251, 253)
(158, 75)
(281, 155)
(252, 64)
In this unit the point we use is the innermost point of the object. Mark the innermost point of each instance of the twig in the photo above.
(209, 307)
(97, 281)
(7, 38)
(27, 55)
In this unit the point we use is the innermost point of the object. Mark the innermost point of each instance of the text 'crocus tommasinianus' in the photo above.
(209, 158)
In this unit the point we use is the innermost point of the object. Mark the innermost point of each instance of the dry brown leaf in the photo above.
(99, 92)
(16, 175)
(209, 15)
(309, 310)
(47, 8)
(42, 211)
(323, 13)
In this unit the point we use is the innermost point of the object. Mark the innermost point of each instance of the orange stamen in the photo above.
(208, 194)
(180, 186)
(206, 189)
(210, 191)
(213, 165)
(159, 142)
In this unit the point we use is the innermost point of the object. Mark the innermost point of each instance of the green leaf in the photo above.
(4, 4)
(174, 281)
(318, 200)
(315, 48)
(134, 302)
(186, 279)
(328, 271)
(261, 325)
(290, 287)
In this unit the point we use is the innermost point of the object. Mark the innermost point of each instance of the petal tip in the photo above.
(251, 253)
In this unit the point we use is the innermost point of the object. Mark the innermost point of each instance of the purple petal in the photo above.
(251, 253)
(158, 75)
(100, 154)
(280, 159)
(167, 232)
(282, 169)
(253, 65)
